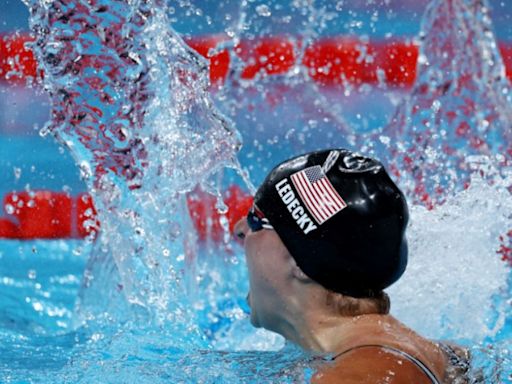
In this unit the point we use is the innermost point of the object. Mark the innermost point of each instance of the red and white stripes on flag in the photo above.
(317, 193)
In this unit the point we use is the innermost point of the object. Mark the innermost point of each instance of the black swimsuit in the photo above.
(458, 368)
(409, 357)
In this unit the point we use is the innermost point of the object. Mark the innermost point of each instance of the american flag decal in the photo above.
(317, 193)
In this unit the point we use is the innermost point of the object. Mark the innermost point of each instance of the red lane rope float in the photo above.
(57, 215)
(330, 61)
(17, 61)
(47, 215)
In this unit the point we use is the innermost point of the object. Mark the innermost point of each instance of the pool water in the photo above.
(42, 343)
(146, 301)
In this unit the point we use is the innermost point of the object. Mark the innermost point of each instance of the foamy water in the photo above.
(460, 104)
(455, 286)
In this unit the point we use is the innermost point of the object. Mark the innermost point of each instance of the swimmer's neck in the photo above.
(327, 334)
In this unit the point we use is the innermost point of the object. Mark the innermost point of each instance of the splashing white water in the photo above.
(456, 281)
(130, 100)
(460, 105)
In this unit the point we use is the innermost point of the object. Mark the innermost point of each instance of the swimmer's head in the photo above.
(341, 217)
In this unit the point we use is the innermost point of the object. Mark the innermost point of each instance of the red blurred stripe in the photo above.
(8, 230)
(56, 215)
(17, 61)
(39, 215)
(330, 61)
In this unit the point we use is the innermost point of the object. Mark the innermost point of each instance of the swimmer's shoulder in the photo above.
(370, 365)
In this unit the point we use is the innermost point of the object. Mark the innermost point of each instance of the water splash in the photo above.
(454, 268)
(286, 113)
(142, 255)
(449, 143)
(460, 104)
(129, 99)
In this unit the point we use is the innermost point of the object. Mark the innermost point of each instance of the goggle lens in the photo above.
(257, 221)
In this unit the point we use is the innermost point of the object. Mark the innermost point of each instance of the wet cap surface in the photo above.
(341, 217)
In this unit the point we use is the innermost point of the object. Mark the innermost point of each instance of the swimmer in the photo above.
(324, 238)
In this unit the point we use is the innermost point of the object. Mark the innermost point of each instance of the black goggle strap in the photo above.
(261, 217)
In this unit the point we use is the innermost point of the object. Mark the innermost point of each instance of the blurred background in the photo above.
(30, 161)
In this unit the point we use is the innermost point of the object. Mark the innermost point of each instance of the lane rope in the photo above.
(330, 61)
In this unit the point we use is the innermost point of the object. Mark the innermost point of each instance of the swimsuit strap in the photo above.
(409, 357)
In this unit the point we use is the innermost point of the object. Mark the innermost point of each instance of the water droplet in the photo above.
(96, 336)
(422, 59)
(384, 139)
(17, 173)
(85, 170)
(140, 231)
(263, 10)
(9, 209)
(44, 131)
(221, 206)
(436, 106)
(224, 223)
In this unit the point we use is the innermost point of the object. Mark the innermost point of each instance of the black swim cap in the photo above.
(341, 217)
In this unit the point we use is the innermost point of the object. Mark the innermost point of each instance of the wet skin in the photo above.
(270, 301)
(263, 251)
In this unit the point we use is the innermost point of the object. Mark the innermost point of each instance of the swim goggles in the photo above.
(257, 221)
